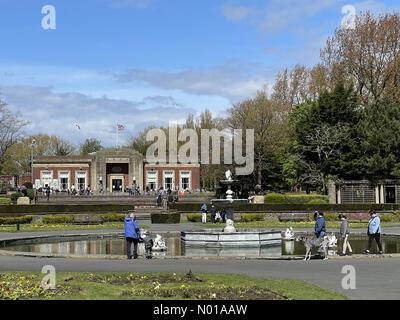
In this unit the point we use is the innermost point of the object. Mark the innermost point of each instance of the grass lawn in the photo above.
(37, 227)
(159, 286)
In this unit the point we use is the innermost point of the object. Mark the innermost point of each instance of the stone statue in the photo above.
(159, 244)
(289, 234)
(229, 226)
(228, 175)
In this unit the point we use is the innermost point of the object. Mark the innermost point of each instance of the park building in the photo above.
(364, 191)
(113, 170)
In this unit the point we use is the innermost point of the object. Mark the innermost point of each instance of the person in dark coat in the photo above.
(213, 214)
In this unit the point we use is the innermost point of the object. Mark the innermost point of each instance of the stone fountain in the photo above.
(229, 237)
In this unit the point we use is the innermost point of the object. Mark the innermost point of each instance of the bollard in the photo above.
(18, 226)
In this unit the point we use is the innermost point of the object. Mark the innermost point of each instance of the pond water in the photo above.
(117, 246)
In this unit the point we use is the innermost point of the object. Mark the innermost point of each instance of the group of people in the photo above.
(373, 231)
(216, 216)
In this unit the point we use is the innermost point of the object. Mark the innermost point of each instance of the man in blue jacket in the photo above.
(132, 235)
(374, 231)
(319, 228)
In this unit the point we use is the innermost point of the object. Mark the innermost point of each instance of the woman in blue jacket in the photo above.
(132, 235)
(374, 231)
(319, 228)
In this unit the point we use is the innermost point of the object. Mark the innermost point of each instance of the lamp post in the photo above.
(33, 145)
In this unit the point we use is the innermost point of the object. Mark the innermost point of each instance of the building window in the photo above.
(64, 180)
(168, 180)
(152, 180)
(81, 180)
(185, 180)
(47, 178)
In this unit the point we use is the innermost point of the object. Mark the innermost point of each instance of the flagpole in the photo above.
(117, 138)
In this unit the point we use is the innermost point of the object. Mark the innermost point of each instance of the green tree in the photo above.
(379, 130)
(90, 145)
(325, 138)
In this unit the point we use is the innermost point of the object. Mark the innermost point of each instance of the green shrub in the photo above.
(5, 201)
(395, 217)
(317, 201)
(196, 217)
(249, 217)
(296, 198)
(58, 219)
(187, 207)
(30, 193)
(328, 216)
(15, 220)
(15, 196)
(165, 218)
(113, 217)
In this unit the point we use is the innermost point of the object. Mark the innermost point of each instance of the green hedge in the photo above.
(30, 193)
(286, 207)
(113, 217)
(296, 198)
(249, 217)
(65, 208)
(165, 218)
(58, 219)
(15, 220)
(196, 217)
(5, 201)
(14, 197)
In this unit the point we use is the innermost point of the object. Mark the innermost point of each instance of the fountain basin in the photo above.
(211, 238)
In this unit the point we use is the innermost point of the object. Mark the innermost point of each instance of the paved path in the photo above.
(377, 278)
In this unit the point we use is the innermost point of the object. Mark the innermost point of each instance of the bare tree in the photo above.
(368, 55)
(10, 130)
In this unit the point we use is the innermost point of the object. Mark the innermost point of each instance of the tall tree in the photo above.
(269, 121)
(90, 145)
(379, 130)
(367, 56)
(325, 137)
(18, 156)
(10, 130)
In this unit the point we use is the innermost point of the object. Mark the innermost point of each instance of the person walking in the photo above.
(223, 215)
(204, 213)
(132, 235)
(213, 214)
(344, 235)
(319, 229)
(374, 232)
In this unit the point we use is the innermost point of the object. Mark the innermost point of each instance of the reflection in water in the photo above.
(289, 247)
(117, 246)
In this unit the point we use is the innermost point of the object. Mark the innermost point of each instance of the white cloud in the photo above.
(235, 12)
(50, 112)
(232, 80)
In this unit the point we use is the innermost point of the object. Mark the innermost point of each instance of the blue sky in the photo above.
(141, 62)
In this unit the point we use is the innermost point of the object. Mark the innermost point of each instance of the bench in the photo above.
(358, 216)
(87, 219)
(294, 217)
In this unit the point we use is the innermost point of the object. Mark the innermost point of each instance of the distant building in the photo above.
(113, 170)
(363, 191)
